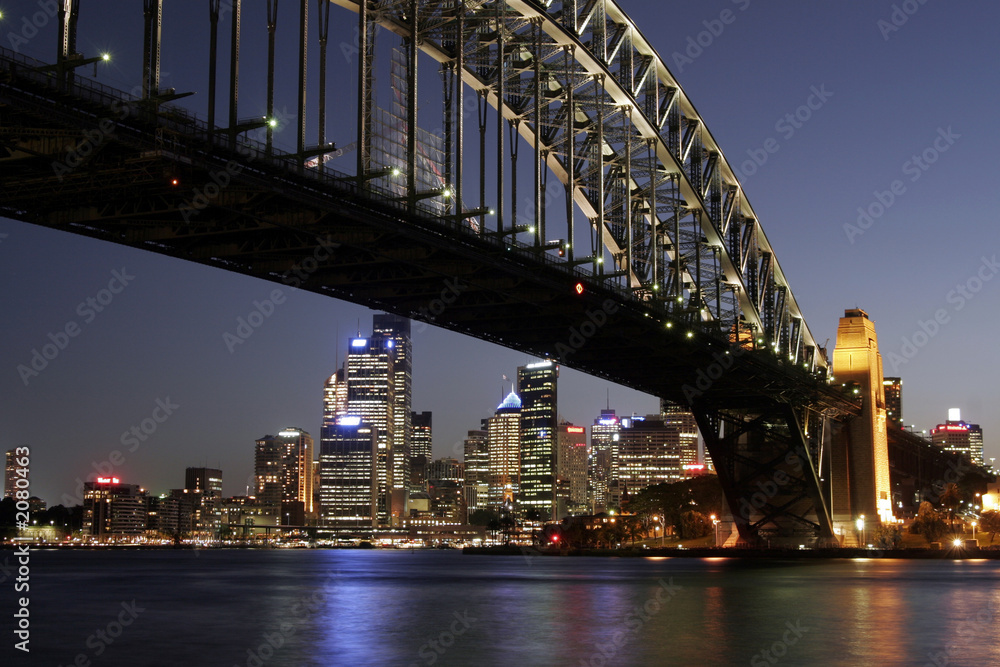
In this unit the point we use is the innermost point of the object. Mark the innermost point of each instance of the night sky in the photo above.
(902, 126)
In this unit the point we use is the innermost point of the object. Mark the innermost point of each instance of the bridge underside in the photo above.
(140, 176)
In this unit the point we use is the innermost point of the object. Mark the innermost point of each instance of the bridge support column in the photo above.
(765, 463)
(859, 457)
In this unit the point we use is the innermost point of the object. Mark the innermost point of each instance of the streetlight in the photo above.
(861, 528)
(973, 530)
(715, 523)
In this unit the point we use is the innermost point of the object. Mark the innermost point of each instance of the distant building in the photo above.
(397, 330)
(959, 436)
(537, 387)
(421, 447)
(682, 419)
(448, 469)
(602, 468)
(371, 395)
(162, 515)
(113, 511)
(283, 471)
(209, 482)
(10, 474)
(349, 476)
(571, 470)
(651, 451)
(477, 470)
(893, 401)
(334, 399)
(504, 442)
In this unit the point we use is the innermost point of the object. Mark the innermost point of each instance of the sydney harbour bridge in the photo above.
(568, 201)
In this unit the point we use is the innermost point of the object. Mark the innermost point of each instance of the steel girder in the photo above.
(600, 110)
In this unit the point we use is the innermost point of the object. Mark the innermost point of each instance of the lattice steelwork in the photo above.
(598, 109)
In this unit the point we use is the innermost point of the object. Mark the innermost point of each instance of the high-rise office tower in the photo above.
(893, 401)
(283, 469)
(681, 419)
(603, 464)
(397, 329)
(477, 469)
(571, 469)
(448, 469)
(10, 474)
(651, 451)
(536, 385)
(207, 481)
(348, 474)
(371, 395)
(503, 433)
(421, 440)
(959, 436)
(334, 399)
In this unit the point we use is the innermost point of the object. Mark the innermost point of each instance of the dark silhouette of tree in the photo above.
(950, 499)
(928, 523)
(989, 522)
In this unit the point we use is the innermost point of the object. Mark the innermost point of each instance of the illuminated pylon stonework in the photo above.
(860, 458)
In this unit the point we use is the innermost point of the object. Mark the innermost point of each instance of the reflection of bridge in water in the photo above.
(634, 256)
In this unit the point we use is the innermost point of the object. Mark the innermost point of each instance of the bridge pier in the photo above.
(859, 474)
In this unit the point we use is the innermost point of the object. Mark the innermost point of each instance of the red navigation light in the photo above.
(174, 182)
(579, 288)
(555, 538)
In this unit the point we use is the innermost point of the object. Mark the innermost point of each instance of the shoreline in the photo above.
(954, 553)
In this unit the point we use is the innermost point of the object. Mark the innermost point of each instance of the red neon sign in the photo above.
(108, 480)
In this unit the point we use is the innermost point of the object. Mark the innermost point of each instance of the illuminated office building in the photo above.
(503, 433)
(348, 475)
(283, 471)
(397, 330)
(421, 446)
(650, 451)
(10, 474)
(536, 385)
(371, 395)
(958, 436)
(893, 401)
(602, 468)
(477, 469)
(571, 470)
(113, 511)
(334, 399)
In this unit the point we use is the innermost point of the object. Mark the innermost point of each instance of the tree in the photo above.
(482, 517)
(694, 525)
(888, 537)
(950, 499)
(928, 523)
(989, 522)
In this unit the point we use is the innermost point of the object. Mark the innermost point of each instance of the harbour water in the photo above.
(341, 607)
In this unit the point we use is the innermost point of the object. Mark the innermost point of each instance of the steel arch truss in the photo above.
(578, 82)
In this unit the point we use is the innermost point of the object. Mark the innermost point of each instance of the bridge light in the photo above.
(272, 122)
(446, 193)
(690, 334)
(106, 57)
(670, 325)
(395, 172)
(600, 260)
(579, 288)
(531, 230)
(493, 211)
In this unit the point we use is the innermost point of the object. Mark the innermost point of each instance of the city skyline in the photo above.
(160, 340)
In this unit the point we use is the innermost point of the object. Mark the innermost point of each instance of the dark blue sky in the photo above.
(916, 106)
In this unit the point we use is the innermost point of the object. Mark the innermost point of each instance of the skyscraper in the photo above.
(893, 401)
(113, 511)
(651, 451)
(397, 330)
(571, 469)
(371, 395)
(421, 445)
(10, 474)
(602, 468)
(681, 419)
(334, 399)
(477, 469)
(536, 384)
(504, 442)
(348, 474)
(208, 483)
(283, 469)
